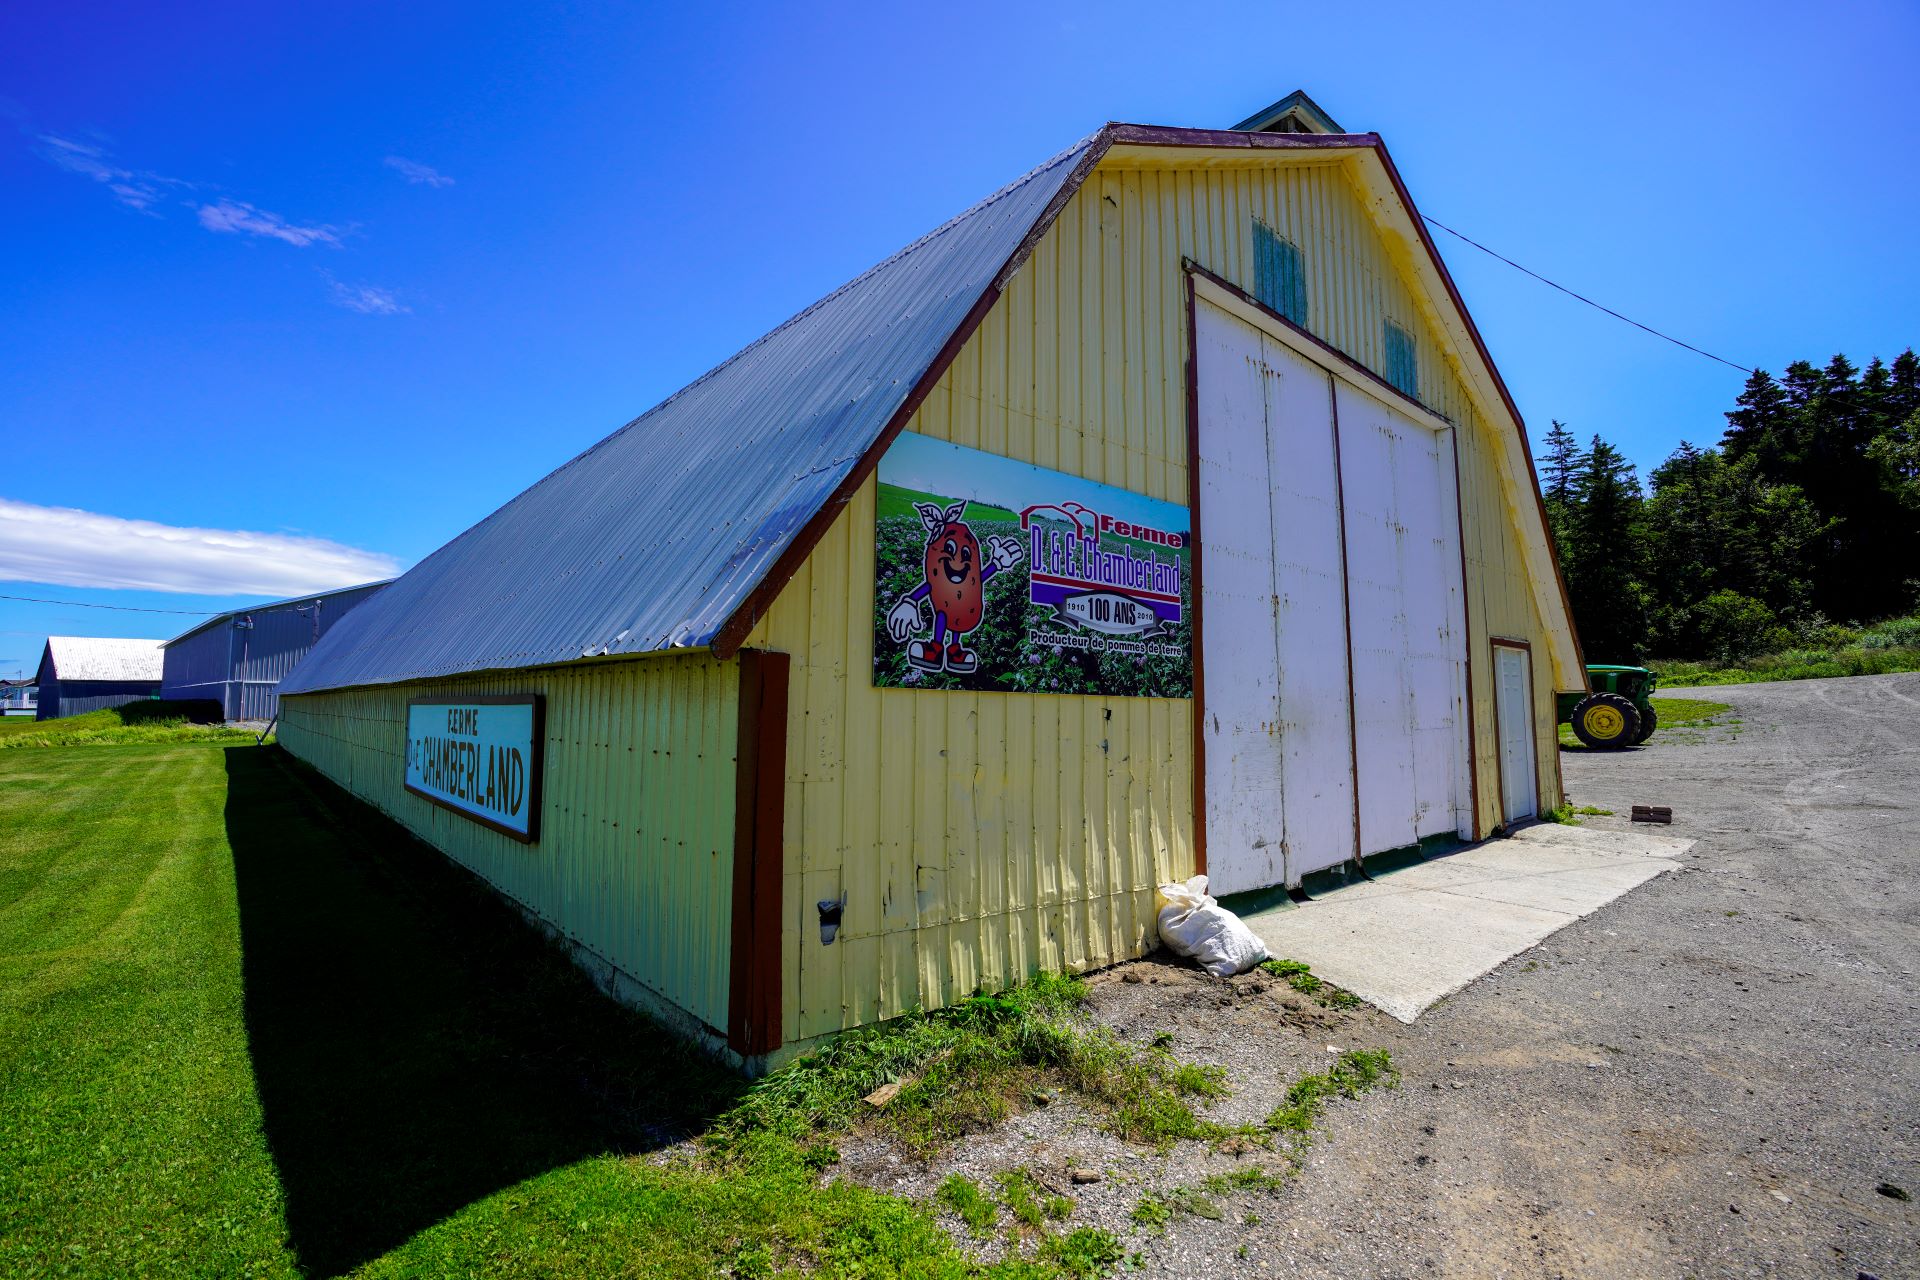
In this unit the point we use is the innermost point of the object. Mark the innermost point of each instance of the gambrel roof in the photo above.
(677, 530)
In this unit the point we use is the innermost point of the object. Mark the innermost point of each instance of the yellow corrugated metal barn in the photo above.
(1162, 513)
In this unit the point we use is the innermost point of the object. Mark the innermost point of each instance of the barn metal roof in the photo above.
(650, 539)
(103, 658)
(262, 607)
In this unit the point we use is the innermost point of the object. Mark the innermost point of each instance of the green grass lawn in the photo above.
(1880, 648)
(1795, 664)
(145, 721)
(250, 1028)
(244, 1032)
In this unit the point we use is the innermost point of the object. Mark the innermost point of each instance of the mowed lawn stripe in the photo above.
(132, 1140)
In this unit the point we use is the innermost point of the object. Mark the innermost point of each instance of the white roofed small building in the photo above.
(79, 674)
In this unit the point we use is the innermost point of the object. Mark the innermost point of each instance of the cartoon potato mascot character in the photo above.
(956, 583)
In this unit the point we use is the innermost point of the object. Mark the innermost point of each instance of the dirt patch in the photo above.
(1263, 1032)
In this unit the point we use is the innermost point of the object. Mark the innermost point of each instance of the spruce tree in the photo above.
(1757, 426)
(1559, 480)
(1604, 585)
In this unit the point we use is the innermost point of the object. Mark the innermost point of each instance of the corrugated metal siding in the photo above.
(62, 698)
(635, 857)
(980, 836)
(242, 667)
(652, 537)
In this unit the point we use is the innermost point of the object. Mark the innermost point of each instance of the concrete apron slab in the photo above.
(1405, 940)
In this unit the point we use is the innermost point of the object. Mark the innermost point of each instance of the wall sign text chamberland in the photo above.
(479, 757)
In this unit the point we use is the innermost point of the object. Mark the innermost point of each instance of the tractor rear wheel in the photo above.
(1649, 721)
(1606, 721)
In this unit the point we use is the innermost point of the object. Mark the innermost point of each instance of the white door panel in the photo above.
(1315, 748)
(1242, 729)
(1407, 610)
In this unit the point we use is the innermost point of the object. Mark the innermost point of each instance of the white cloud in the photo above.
(239, 217)
(368, 300)
(72, 548)
(139, 190)
(414, 171)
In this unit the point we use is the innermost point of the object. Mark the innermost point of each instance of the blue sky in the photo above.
(349, 276)
(934, 466)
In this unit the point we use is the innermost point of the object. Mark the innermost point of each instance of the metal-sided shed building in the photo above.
(1161, 513)
(238, 658)
(79, 674)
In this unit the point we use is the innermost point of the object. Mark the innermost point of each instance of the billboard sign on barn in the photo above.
(480, 757)
(993, 574)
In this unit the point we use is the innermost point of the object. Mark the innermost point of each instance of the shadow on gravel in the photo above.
(416, 1045)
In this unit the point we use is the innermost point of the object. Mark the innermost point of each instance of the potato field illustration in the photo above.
(1055, 595)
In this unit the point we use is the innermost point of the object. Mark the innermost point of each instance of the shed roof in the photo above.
(102, 658)
(676, 530)
(290, 601)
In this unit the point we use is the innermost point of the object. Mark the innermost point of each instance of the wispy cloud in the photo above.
(367, 299)
(143, 189)
(135, 188)
(241, 218)
(414, 171)
(72, 548)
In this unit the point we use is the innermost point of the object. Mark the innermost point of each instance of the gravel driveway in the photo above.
(1710, 1076)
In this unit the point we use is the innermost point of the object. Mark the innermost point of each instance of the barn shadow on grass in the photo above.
(416, 1045)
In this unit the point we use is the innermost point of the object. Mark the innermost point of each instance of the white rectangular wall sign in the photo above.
(479, 757)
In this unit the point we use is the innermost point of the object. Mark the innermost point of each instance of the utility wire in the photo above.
(1583, 298)
(123, 608)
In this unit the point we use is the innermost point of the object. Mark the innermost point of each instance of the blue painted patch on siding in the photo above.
(1279, 277)
(1403, 361)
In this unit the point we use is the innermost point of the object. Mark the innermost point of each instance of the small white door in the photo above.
(1513, 708)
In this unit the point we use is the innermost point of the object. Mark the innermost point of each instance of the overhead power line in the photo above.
(123, 608)
(1589, 301)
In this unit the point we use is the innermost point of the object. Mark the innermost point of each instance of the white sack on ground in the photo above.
(1194, 924)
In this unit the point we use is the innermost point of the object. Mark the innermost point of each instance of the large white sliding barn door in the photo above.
(1279, 777)
(1288, 582)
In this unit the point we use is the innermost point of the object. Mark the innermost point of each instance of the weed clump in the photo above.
(1302, 979)
(1352, 1074)
(974, 1207)
(1086, 1253)
(1152, 1213)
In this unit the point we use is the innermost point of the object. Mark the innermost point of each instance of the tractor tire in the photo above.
(1606, 721)
(1649, 721)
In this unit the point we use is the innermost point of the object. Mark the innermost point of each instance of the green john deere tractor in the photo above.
(1619, 711)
